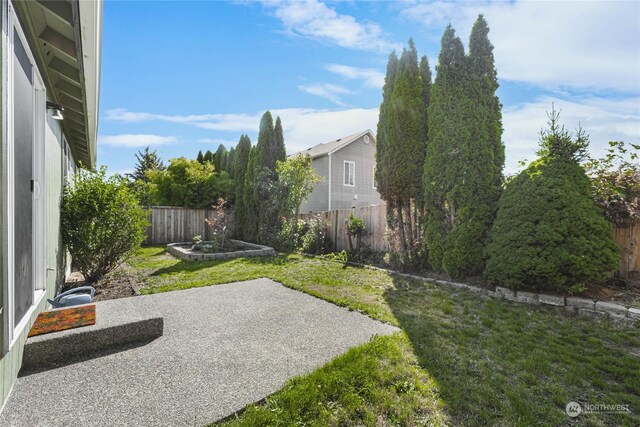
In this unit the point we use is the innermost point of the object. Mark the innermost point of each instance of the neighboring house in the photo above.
(50, 59)
(348, 167)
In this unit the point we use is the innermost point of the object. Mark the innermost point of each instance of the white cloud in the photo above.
(371, 77)
(314, 19)
(603, 119)
(328, 91)
(303, 127)
(576, 44)
(135, 140)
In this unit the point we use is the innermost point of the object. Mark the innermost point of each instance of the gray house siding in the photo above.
(318, 200)
(343, 196)
(51, 155)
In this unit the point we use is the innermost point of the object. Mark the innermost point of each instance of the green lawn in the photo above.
(462, 359)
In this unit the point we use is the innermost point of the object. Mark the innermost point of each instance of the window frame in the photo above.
(12, 330)
(352, 172)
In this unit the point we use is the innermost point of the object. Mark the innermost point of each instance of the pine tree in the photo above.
(448, 136)
(425, 73)
(200, 157)
(240, 164)
(381, 135)
(146, 161)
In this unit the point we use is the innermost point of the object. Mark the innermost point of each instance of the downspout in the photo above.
(329, 155)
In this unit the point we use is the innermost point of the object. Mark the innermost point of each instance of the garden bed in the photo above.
(236, 249)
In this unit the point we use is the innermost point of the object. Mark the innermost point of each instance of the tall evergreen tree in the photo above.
(146, 161)
(240, 164)
(463, 172)
(261, 177)
(221, 152)
(200, 157)
(425, 73)
(447, 137)
(406, 144)
(209, 157)
(382, 169)
(279, 151)
(229, 165)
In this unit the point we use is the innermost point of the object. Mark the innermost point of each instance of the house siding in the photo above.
(363, 155)
(318, 200)
(56, 260)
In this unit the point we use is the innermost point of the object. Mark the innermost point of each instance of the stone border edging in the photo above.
(187, 255)
(572, 305)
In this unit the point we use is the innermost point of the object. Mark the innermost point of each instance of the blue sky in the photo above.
(189, 75)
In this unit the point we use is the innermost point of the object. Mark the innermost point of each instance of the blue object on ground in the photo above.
(73, 297)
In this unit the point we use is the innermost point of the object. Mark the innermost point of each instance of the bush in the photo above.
(548, 234)
(355, 228)
(102, 222)
(316, 240)
(291, 235)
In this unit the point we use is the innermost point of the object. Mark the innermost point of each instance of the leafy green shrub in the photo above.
(316, 240)
(548, 234)
(102, 222)
(355, 228)
(291, 235)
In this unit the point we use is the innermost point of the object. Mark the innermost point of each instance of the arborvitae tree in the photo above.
(279, 152)
(483, 69)
(406, 144)
(250, 223)
(447, 137)
(261, 176)
(240, 164)
(549, 235)
(209, 157)
(200, 157)
(219, 157)
(381, 136)
(425, 73)
(230, 159)
(146, 161)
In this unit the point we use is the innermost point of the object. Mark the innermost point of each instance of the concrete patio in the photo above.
(223, 348)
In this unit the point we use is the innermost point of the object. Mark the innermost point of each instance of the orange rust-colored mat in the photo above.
(60, 319)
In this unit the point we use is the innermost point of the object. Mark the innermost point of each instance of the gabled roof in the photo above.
(333, 146)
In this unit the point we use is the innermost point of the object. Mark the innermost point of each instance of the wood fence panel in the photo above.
(628, 238)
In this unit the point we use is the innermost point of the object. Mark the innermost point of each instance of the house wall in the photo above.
(55, 257)
(342, 196)
(318, 200)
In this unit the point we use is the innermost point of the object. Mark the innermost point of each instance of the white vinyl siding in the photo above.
(349, 173)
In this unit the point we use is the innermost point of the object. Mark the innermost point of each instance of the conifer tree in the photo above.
(447, 137)
(406, 144)
(200, 157)
(229, 166)
(220, 157)
(146, 161)
(208, 157)
(240, 164)
(381, 135)
(261, 177)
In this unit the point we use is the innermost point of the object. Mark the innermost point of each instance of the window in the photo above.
(23, 193)
(366, 139)
(349, 173)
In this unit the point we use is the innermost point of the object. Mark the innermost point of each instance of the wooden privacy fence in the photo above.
(375, 219)
(172, 224)
(336, 224)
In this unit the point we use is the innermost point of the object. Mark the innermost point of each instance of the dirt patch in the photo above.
(120, 283)
(625, 293)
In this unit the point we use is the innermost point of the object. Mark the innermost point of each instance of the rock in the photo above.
(611, 308)
(551, 300)
(581, 303)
